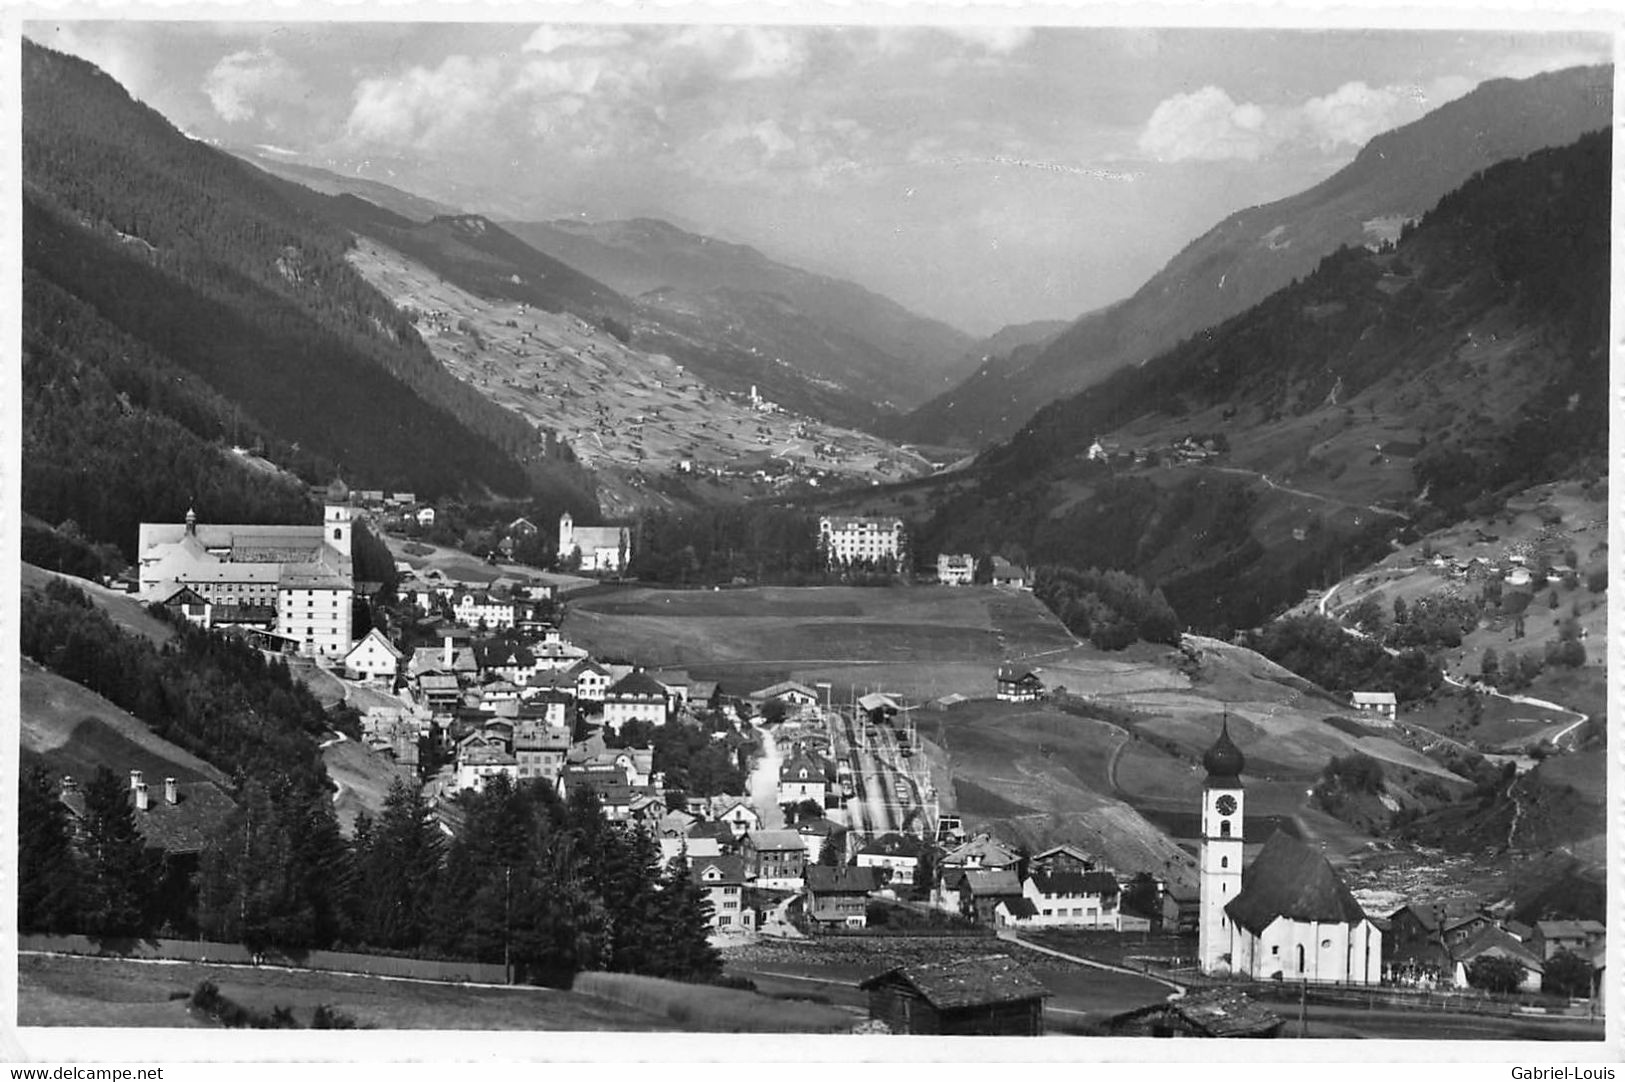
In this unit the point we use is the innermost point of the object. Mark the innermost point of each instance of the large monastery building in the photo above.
(1288, 915)
(302, 574)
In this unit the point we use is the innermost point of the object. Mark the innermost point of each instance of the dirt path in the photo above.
(1010, 936)
(1264, 477)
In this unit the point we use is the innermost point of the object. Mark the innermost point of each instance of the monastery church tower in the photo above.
(1222, 808)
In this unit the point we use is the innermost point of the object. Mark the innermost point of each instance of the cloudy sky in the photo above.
(983, 175)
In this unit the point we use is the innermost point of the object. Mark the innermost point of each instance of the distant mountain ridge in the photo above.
(894, 355)
(1398, 175)
(176, 303)
(1385, 391)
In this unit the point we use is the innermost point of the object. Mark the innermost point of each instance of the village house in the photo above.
(1383, 704)
(1017, 684)
(1421, 936)
(801, 777)
(988, 996)
(956, 569)
(1579, 937)
(1063, 858)
(774, 859)
(591, 680)
(897, 856)
(634, 697)
(374, 657)
(477, 608)
(723, 879)
(840, 895)
(1009, 575)
(676, 683)
(980, 851)
(425, 516)
(681, 845)
(482, 759)
(981, 890)
(796, 696)
(187, 604)
(515, 664)
(815, 833)
(1072, 899)
(1491, 941)
(539, 750)
(739, 816)
(304, 573)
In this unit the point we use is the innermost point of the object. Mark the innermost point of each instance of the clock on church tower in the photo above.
(1220, 869)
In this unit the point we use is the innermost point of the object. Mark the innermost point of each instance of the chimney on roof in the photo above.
(135, 780)
(141, 796)
(445, 653)
(171, 795)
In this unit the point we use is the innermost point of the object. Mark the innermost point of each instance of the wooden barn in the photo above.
(978, 996)
(1219, 1012)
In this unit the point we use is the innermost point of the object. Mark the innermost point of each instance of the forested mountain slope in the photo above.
(1254, 252)
(1387, 390)
(173, 294)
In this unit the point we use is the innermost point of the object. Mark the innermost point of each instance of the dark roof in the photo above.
(732, 869)
(895, 845)
(637, 683)
(1492, 940)
(1218, 1012)
(1224, 761)
(1440, 913)
(1101, 883)
(187, 825)
(842, 879)
(714, 828)
(992, 881)
(1020, 907)
(1016, 674)
(1289, 879)
(967, 982)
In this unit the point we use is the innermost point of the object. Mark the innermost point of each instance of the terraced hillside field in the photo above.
(619, 409)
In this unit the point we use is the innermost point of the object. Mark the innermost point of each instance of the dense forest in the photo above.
(1318, 649)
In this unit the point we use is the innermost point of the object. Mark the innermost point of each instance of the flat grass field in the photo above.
(71, 991)
(924, 642)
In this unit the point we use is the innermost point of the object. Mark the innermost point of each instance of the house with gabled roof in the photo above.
(1494, 942)
(481, 760)
(1018, 684)
(983, 995)
(1064, 858)
(634, 697)
(840, 894)
(815, 832)
(895, 855)
(1072, 899)
(980, 851)
(786, 691)
(591, 680)
(1574, 936)
(981, 889)
(1213, 1012)
(739, 816)
(1010, 575)
(801, 777)
(1383, 706)
(374, 657)
(723, 878)
(774, 859)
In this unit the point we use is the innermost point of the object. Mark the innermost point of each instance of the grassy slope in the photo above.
(72, 730)
(122, 608)
(60, 991)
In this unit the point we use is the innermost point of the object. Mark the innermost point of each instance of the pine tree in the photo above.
(48, 872)
(121, 874)
(684, 947)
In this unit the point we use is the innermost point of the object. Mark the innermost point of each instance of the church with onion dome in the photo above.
(1286, 916)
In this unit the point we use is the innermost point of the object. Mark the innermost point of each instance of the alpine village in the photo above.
(610, 627)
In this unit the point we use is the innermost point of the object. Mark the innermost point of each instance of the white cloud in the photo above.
(242, 83)
(553, 37)
(1000, 40)
(1208, 125)
(427, 106)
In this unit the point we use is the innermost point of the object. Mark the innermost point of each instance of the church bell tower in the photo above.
(1222, 800)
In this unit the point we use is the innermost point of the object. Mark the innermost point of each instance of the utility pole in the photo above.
(507, 897)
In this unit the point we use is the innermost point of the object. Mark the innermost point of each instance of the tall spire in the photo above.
(1224, 761)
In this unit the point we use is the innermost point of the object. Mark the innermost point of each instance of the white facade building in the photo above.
(602, 548)
(861, 540)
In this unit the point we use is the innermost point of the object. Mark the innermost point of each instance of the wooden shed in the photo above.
(978, 996)
(1218, 1012)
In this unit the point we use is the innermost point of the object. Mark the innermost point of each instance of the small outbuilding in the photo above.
(1219, 1012)
(988, 996)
